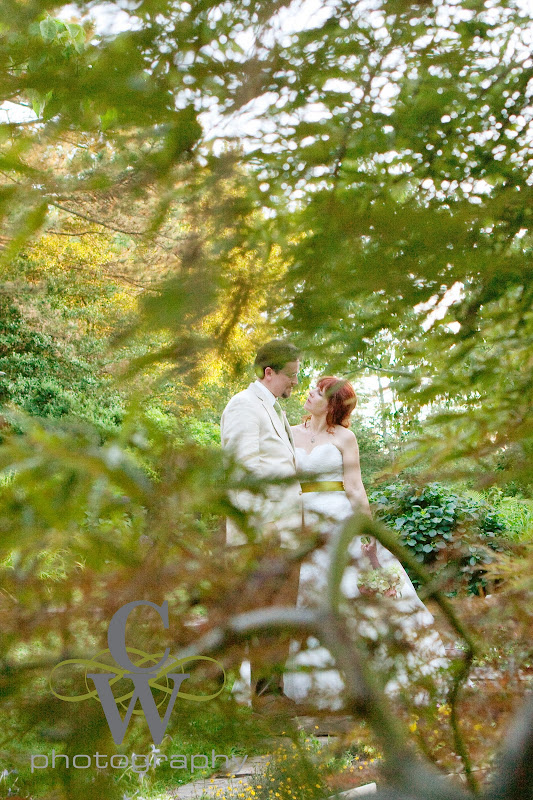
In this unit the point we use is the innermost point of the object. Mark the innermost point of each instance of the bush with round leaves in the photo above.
(453, 534)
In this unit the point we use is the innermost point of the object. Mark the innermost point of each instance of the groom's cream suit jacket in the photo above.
(254, 436)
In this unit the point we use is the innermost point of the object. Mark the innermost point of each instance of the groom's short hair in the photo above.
(275, 354)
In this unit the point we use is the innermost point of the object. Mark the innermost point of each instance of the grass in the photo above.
(516, 513)
(518, 517)
(208, 729)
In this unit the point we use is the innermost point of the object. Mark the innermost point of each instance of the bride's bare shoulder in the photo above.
(344, 436)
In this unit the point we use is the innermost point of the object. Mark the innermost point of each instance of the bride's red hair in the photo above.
(341, 400)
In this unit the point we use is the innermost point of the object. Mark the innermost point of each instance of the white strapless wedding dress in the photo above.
(311, 676)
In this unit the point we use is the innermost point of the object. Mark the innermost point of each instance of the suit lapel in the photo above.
(283, 430)
(278, 424)
(288, 429)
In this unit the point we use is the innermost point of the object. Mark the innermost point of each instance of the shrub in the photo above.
(44, 376)
(443, 529)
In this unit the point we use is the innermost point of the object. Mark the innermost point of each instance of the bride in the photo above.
(327, 449)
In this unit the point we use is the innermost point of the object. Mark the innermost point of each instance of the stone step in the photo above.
(208, 787)
(358, 791)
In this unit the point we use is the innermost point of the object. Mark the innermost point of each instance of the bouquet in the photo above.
(383, 580)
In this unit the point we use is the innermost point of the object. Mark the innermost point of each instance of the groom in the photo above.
(255, 432)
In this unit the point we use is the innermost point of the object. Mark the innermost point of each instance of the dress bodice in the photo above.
(324, 461)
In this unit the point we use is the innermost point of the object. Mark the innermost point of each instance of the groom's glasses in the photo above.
(290, 374)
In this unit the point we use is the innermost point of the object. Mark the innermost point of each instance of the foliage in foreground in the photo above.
(388, 161)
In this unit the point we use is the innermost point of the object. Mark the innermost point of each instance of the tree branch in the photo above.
(95, 221)
(364, 696)
(74, 233)
(115, 275)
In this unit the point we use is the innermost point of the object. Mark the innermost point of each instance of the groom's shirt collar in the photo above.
(269, 397)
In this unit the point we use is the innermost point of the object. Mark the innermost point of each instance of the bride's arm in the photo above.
(353, 483)
(355, 491)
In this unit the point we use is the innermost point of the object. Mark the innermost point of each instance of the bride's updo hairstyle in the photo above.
(341, 400)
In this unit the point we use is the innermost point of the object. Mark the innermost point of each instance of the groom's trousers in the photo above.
(272, 582)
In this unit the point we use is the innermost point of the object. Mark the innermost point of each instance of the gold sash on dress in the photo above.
(323, 486)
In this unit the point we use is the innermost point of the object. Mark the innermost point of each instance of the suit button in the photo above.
(300, 492)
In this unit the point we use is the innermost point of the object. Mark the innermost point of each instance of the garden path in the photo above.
(218, 785)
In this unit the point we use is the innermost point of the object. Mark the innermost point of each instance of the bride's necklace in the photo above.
(314, 436)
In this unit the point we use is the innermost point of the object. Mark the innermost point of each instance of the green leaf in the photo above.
(48, 28)
(77, 36)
